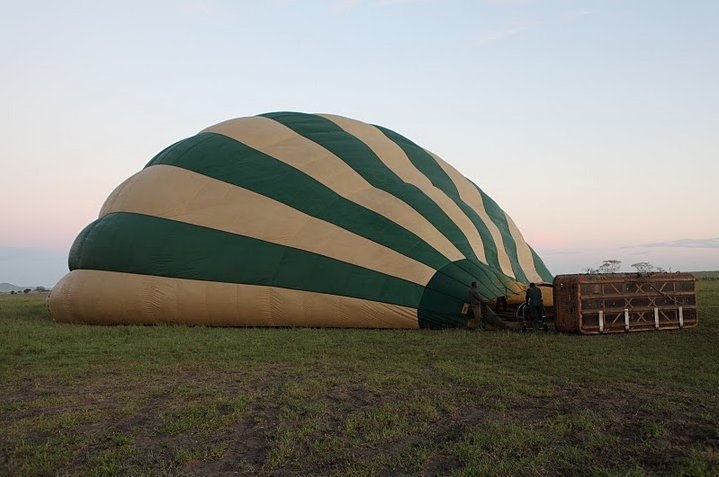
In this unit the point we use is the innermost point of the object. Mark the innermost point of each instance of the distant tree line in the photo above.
(614, 266)
(28, 290)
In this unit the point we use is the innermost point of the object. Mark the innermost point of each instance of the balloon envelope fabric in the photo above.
(293, 219)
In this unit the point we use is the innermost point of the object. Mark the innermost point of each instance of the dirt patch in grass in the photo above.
(190, 425)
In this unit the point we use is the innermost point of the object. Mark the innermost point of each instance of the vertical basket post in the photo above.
(681, 317)
(626, 319)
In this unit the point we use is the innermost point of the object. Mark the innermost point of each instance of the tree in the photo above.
(610, 266)
(27, 290)
(643, 267)
(40, 289)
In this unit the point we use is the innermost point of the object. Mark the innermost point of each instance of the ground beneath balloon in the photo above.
(208, 401)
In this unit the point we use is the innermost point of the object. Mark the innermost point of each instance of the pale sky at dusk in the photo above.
(594, 124)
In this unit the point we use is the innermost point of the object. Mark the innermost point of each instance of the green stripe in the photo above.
(500, 220)
(541, 267)
(363, 160)
(448, 290)
(443, 299)
(141, 244)
(227, 160)
(427, 165)
(491, 282)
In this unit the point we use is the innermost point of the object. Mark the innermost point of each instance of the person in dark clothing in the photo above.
(533, 299)
(482, 316)
(501, 303)
(476, 302)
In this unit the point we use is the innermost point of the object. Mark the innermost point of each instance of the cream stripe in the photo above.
(115, 193)
(471, 196)
(101, 297)
(397, 161)
(276, 140)
(524, 254)
(196, 199)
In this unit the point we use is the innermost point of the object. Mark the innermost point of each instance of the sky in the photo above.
(593, 124)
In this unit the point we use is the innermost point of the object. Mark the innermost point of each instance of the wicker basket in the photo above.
(623, 302)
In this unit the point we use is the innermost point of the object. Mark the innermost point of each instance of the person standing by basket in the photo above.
(533, 299)
(476, 302)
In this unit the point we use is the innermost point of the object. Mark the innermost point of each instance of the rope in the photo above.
(659, 291)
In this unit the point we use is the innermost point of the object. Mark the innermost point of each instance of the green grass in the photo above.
(164, 400)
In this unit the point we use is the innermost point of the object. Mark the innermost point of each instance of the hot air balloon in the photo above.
(293, 219)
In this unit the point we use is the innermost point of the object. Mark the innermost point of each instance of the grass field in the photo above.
(163, 400)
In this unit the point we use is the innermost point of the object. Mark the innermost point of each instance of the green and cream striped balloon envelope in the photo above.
(293, 219)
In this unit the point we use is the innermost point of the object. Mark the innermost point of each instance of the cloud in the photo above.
(685, 243)
(500, 35)
(198, 7)
(405, 2)
(577, 14)
(507, 2)
(345, 5)
(519, 27)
